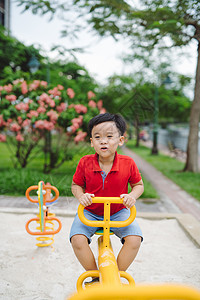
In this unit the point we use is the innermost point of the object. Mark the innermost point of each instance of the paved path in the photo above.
(173, 198)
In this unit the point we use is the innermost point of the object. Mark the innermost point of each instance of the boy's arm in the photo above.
(78, 192)
(137, 191)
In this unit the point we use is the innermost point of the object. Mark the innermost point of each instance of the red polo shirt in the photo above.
(88, 175)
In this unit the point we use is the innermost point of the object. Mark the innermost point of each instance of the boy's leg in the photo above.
(128, 251)
(132, 236)
(83, 252)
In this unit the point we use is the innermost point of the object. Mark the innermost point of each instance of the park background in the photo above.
(140, 60)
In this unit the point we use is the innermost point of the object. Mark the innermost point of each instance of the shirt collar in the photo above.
(115, 166)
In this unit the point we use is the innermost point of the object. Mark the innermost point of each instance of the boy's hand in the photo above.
(86, 199)
(129, 200)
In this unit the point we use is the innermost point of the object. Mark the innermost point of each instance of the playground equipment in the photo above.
(108, 270)
(110, 285)
(45, 221)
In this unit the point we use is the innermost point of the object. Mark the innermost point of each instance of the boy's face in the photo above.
(106, 138)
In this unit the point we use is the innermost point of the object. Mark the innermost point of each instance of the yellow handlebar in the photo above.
(106, 222)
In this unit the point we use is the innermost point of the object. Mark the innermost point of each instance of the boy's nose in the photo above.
(103, 140)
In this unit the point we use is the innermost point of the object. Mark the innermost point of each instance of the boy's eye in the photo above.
(97, 137)
(110, 136)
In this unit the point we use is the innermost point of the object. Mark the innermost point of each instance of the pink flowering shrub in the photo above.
(34, 111)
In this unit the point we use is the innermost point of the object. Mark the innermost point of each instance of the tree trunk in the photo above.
(47, 151)
(192, 147)
(137, 131)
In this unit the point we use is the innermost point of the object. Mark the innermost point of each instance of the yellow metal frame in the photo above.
(108, 270)
(110, 286)
(140, 292)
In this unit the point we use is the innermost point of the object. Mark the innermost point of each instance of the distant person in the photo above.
(144, 135)
(106, 174)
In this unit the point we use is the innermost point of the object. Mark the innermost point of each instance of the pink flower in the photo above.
(71, 105)
(11, 98)
(32, 113)
(43, 83)
(80, 108)
(24, 87)
(90, 95)
(52, 103)
(74, 127)
(92, 103)
(44, 97)
(2, 138)
(52, 115)
(61, 107)
(34, 85)
(39, 124)
(22, 106)
(41, 110)
(84, 109)
(78, 120)
(19, 119)
(44, 124)
(48, 125)
(80, 137)
(60, 87)
(55, 92)
(15, 82)
(19, 137)
(15, 127)
(76, 123)
(102, 111)
(100, 104)
(70, 93)
(26, 123)
(9, 121)
(8, 88)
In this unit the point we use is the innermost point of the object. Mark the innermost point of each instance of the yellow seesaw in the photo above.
(110, 285)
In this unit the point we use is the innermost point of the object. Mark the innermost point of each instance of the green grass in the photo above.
(171, 168)
(15, 181)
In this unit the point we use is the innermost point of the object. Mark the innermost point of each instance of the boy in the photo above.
(106, 174)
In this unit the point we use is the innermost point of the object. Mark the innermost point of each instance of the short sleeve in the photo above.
(135, 175)
(79, 175)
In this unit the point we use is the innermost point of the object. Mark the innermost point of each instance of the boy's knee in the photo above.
(78, 240)
(133, 241)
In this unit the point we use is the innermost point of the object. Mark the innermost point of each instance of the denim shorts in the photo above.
(79, 228)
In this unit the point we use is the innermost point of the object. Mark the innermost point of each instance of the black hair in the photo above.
(107, 117)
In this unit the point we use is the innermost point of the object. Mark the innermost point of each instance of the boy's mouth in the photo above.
(104, 148)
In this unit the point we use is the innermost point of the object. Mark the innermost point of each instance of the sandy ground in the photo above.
(28, 272)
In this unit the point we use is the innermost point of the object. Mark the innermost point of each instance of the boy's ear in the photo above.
(121, 140)
(91, 142)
